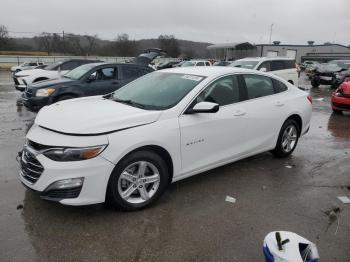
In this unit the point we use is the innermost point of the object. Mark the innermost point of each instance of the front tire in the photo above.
(315, 82)
(338, 112)
(287, 139)
(137, 181)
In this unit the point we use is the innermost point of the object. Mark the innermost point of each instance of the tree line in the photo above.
(85, 45)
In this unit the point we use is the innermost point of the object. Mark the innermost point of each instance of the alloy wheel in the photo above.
(289, 138)
(138, 182)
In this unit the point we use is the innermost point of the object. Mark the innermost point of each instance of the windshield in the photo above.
(78, 72)
(188, 63)
(157, 91)
(53, 66)
(244, 64)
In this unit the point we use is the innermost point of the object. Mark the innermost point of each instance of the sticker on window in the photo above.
(192, 77)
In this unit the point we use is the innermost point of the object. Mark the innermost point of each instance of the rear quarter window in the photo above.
(258, 86)
(289, 64)
(279, 86)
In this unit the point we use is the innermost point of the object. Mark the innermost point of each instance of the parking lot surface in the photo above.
(192, 221)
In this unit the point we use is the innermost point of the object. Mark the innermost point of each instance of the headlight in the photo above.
(45, 92)
(73, 153)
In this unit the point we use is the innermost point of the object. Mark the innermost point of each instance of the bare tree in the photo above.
(91, 44)
(170, 44)
(124, 46)
(4, 38)
(44, 41)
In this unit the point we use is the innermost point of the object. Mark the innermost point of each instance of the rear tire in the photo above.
(137, 181)
(287, 139)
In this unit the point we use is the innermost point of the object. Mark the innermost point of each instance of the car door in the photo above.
(265, 111)
(102, 81)
(212, 138)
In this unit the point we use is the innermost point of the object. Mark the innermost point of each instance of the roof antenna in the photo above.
(280, 243)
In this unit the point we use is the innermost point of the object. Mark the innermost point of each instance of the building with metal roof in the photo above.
(321, 53)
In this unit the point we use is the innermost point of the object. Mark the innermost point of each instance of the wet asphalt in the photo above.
(192, 221)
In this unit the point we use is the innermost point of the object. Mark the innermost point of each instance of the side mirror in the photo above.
(263, 69)
(91, 78)
(204, 107)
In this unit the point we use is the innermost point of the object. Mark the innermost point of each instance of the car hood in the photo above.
(92, 116)
(52, 82)
(327, 69)
(31, 71)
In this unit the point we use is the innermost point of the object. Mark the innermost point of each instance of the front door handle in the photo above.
(279, 104)
(239, 113)
(115, 82)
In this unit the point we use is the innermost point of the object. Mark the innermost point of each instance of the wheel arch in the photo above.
(40, 78)
(297, 118)
(159, 150)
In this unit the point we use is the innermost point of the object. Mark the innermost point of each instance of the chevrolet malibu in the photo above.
(125, 148)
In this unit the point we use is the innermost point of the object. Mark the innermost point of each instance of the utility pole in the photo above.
(64, 45)
(270, 33)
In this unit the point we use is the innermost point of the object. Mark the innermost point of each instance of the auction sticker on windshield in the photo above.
(192, 77)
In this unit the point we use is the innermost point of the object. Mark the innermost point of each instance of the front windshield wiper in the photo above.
(129, 102)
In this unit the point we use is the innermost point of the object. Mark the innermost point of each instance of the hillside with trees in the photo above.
(84, 45)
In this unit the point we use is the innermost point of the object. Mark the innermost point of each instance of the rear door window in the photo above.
(277, 65)
(207, 63)
(130, 72)
(224, 91)
(258, 86)
(200, 64)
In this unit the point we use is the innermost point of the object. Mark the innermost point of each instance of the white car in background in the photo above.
(52, 71)
(127, 146)
(283, 67)
(25, 66)
(191, 63)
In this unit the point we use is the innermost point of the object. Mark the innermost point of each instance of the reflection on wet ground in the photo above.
(191, 222)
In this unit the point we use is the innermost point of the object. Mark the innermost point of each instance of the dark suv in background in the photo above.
(87, 80)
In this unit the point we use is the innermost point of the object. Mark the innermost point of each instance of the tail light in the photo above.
(310, 99)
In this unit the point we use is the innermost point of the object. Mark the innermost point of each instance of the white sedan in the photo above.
(126, 147)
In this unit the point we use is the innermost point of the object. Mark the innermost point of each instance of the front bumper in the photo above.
(95, 173)
(35, 103)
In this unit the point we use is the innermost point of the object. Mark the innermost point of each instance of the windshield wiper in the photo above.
(129, 102)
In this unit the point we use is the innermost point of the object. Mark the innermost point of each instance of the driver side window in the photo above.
(224, 91)
(103, 74)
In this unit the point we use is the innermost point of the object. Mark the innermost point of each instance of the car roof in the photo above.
(265, 58)
(116, 64)
(208, 70)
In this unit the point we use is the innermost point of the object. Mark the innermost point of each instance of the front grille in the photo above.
(28, 92)
(16, 81)
(61, 193)
(31, 169)
(342, 106)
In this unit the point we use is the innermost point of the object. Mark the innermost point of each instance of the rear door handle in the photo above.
(279, 103)
(239, 113)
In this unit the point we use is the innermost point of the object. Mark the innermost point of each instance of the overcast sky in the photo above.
(215, 21)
